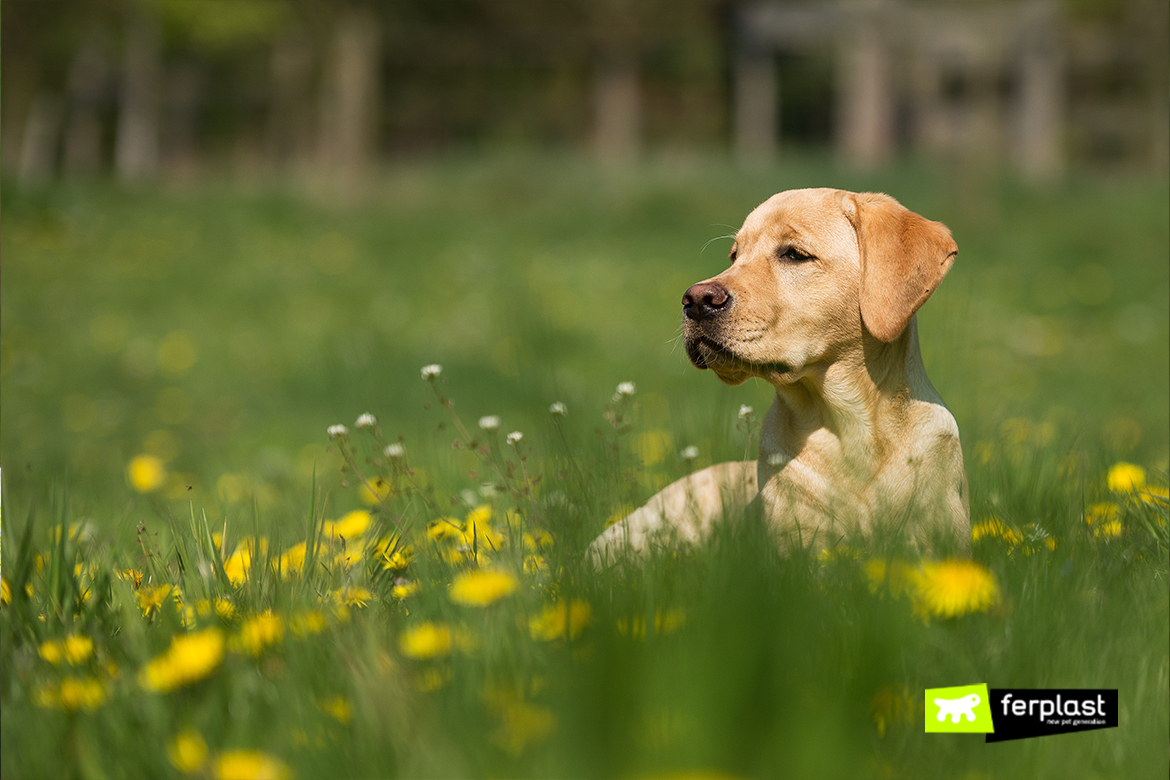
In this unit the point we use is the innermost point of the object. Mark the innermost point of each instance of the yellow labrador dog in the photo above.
(819, 301)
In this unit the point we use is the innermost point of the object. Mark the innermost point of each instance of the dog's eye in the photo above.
(733, 253)
(791, 254)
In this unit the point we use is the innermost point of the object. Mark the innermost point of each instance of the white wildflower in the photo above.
(489, 422)
(777, 459)
(745, 411)
(337, 431)
(689, 453)
(366, 420)
(431, 371)
(626, 388)
(395, 450)
(514, 437)
(558, 409)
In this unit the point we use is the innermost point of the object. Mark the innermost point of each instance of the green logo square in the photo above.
(964, 709)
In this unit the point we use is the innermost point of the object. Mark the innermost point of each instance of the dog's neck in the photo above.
(850, 408)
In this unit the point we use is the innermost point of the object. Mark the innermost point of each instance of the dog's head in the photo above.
(811, 272)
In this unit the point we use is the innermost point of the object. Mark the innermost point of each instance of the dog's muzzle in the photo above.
(705, 300)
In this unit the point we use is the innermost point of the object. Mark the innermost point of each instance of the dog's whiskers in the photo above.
(717, 238)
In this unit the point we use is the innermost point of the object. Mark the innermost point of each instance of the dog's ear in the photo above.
(904, 256)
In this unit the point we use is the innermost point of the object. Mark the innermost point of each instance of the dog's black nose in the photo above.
(704, 300)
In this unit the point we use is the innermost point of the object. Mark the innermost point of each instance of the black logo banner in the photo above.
(1019, 713)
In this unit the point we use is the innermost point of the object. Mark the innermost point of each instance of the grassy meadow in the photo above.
(201, 581)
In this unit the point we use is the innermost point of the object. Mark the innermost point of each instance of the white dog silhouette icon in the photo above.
(963, 706)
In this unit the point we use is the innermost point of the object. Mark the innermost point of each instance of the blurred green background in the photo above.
(229, 225)
(222, 328)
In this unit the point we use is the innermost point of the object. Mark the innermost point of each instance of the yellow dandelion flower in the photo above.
(222, 607)
(77, 649)
(84, 693)
(992, 527)
(521, 723)
(292, 560)
(664, 623)
(238, 565)
(187, 751)
(1104, 518)
(133, 576)
(1102, 512)
(537, 539)
(481, 514)
(338, 707)
(535, 564)
(895, 575)
(190, 658)
(1108, 529)
(381, 490)
(891, 706)
(353, 596)
(258, 632)
(635, 628)
(351, 553)
(430, 680)
(1156, 495)
(444, 529)
(394, 556)
(556, 618)
(481, 535)
(426, 640)
(513, 518)
(351, 526)
(404, 590)
(5, 591)
(51, 651)
(669, 621)
(151, 597)
(1126, 478)
(249, 765)
(831, 555)
(652, 446)
(307, 623)
(73, 694)
(482, 587)
(955, 587)
(146, 473)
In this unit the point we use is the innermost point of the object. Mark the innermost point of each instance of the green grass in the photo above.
(222, 330)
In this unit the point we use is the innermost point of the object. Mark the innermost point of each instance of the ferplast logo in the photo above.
(963, 709)
(1004, 714)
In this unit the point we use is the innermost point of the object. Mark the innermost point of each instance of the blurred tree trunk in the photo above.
(757, 106)
(136, 152)
(865, 129)
(89, 75)
(42, 131)
(1041, 106)
(184, 87)
(349, 98)
(1157, 52)
(617, 103)
(288, 139)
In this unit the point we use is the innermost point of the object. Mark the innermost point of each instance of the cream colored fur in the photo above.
(821, 296)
